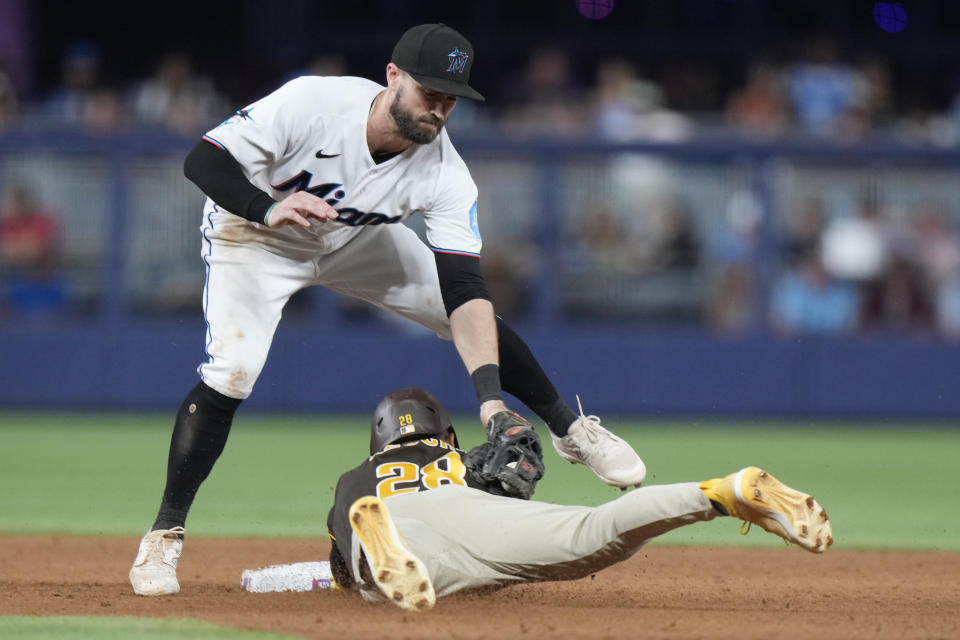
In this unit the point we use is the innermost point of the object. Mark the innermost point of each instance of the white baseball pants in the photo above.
(251, 276)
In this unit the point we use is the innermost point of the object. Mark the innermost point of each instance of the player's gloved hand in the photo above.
(510, 463)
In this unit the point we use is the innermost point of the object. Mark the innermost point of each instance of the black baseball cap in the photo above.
(437, 57)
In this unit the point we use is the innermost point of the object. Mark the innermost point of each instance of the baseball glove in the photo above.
(510, 463)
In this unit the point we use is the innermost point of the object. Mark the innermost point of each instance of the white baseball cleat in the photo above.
(154, 572)
(608, 456)
(398, 574)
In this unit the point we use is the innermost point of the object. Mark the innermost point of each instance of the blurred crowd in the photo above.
(882, 269)
(32, 282)
(639, 252)
(818, 92)
(174, 98)
(886, 268)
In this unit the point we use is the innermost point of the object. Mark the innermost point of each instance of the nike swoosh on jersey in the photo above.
(321, 154)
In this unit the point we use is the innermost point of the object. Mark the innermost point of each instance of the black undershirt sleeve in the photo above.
(221, 177)
(460, 279)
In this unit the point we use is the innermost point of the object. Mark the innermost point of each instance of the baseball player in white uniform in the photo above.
(308, 186)
(420, 518)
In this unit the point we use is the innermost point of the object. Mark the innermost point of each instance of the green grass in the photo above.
(120, 628)
(884, 487)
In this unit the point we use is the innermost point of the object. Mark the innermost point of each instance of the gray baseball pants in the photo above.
(469, 539)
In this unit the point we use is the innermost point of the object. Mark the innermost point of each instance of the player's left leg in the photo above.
(246, 289)
(755, 496)
(391, 268)
(469, 539)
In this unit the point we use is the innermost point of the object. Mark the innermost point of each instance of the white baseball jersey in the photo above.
(310, 134)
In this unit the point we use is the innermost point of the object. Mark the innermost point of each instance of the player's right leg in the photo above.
(244, 295)
(369, 268)
(577, 438)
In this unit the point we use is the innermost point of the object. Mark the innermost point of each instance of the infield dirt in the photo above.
(662, 592)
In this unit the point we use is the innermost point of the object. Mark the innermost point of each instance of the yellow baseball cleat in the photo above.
(755, 496)
(399, 574)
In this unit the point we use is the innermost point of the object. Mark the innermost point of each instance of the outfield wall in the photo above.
(613, 370)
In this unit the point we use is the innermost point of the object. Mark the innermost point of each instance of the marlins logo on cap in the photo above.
(458, 60)
(437, 57)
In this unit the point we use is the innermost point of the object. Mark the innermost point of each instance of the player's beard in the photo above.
(414, 130)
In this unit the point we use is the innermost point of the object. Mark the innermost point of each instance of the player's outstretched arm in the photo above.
(473, 326)
(299, 208)
(475, 336)
(475, 333)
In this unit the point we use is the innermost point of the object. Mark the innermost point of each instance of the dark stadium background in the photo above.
(246, 44)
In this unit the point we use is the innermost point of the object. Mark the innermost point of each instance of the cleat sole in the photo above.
(781, 510)
(399, 575)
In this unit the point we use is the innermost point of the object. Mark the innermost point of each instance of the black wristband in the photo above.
(486, 381)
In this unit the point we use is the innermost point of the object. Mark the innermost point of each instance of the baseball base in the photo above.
(297, 576)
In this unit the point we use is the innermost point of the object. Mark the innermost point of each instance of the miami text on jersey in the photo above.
(348, 215)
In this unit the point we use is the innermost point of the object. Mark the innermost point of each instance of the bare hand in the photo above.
(299, 208)
(490, 407)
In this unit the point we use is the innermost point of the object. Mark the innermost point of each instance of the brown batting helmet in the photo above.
(408, 414)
